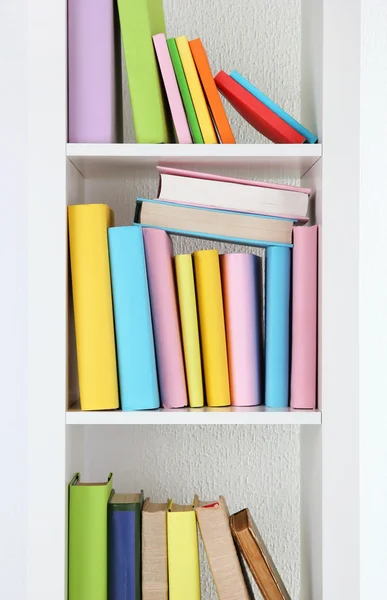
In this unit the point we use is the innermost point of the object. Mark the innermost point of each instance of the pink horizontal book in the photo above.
(171, 88)
(166, 326)
(304, 327)
(242, 311)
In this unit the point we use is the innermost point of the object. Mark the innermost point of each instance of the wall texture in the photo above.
(254, 466)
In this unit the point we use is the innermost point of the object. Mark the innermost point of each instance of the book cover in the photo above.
(124, 545)
(133, 320)
(211, 92)
(189, 328)
(140, 20)
(154, 551)
(172, 90)
(200, 221)
(195, 88)
(91, 91)
(212, 329)
(277, 316)
(166, 326)
(213, 520)
(252, 547)
(303, 381)
(241, 280)
(256, 113)
(311, 138)
(87, 541)
(184, 91)
(93, 305)
(183, 553)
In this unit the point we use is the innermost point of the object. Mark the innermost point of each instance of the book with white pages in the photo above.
(227, 193)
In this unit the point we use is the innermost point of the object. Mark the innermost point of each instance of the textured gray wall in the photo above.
(252, 466)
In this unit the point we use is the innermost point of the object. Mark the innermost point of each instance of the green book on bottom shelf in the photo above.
(88, 539)
(184, 92)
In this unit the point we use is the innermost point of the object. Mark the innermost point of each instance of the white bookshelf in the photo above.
(59, 439)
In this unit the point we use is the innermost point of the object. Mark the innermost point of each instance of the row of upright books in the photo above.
(174, 96)
(124, 548)
(188, 330)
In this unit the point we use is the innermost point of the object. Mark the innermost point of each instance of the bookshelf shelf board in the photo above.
(264, 160)
(259, 415)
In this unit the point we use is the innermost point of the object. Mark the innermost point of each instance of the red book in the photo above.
(257, 114)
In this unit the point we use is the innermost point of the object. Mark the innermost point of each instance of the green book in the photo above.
(139, 20)
(88, 504)
(185, 93)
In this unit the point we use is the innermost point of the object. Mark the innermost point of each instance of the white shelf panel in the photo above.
(257, 415)
(267, 160)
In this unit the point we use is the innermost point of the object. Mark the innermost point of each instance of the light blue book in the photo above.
(310, 137)
(132, 318)
(208, 236)
(277, 316)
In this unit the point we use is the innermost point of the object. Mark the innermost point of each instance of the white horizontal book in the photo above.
(226, 193)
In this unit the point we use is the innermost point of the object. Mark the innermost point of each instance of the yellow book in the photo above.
(212, 328)
(189, 328)
(195, 88)
(183, 553)
(93, 307)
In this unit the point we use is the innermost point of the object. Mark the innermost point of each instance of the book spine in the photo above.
(277, 313)
(88, 537)
(91, 90)
(94, 324)
(183, 556)
(304, 318)
(122, 554)
(256, 113)
(154, 556)
(133, 320)
(169, 353)
(242, 307)
(190, 328)
(212, 328)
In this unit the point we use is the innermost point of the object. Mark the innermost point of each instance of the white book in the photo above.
(214, 191)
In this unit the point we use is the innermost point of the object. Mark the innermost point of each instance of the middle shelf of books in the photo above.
(194, 295)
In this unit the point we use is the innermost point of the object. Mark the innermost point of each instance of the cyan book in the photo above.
(308, 135)
(277, 316)
(133, 321)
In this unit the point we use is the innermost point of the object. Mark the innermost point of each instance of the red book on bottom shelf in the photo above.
(256, 113)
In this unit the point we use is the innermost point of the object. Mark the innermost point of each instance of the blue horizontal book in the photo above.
(133, 322)
(124, 546)
(310, 137)
(215, 224)
(277, 316)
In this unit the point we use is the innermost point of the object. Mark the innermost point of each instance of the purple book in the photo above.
(91, 82)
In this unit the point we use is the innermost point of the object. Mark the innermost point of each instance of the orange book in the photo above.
(211, 91)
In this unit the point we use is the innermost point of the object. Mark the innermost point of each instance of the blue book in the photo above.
(146, 221)
(310, 137)
(277, 317)
(124, 546)
(132, 319)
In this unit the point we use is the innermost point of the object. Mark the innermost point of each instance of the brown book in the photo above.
(154, 551)
(213, 519)
(255, 553)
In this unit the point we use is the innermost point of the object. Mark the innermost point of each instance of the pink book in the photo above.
(242, 308)
(304, 327)
(166, 326)
(174, 99)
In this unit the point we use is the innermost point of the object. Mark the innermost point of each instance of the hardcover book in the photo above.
(87, 527)
(93, 305)
(154, 551)
(124, 543)
(133, 320)
(256, 113)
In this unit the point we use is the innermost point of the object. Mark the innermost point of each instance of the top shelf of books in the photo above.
(277, 161)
